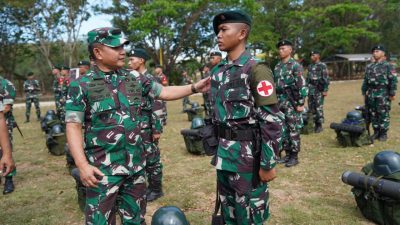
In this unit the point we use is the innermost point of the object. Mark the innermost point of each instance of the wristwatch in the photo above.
(194, 89)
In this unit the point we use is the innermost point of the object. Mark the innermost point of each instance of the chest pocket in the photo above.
(381, 78)
(102, 104)
(237, 95)
(133, 89)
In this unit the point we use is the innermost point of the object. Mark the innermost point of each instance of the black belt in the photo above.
(234, 134)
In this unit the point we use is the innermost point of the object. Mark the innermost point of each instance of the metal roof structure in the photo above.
(349, 57)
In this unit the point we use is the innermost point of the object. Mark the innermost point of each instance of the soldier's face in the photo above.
(378, 54)
(315, 57)
(83, 69)
(158, 71)
(112, 58)
(135, 62)
(285, 51)
(214, 60)
(230, 35)
(55, 71)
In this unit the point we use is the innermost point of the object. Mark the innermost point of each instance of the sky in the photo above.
(96, 21)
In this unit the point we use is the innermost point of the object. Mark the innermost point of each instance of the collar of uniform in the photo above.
(243, 58)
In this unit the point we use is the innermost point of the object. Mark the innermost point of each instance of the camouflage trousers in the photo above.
(61, 112)
(125, 194)
(58, 106)
(10, 127)
(153, 163)
(207, 104)
(316, 106)
(28, 102)
(291, 129)
(379, 109)
(241, 203)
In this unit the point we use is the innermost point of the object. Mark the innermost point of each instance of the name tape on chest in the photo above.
(265, 88)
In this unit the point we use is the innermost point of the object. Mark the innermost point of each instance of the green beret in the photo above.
(139, 52)
(315, 52)
(83, 63)
(378, 47)
(64, 67)
(29, 74)
(108, 36)
(215, 53)
(57, 66)
(233, 16)
(283, 43)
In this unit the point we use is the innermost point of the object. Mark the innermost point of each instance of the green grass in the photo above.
(310, 193)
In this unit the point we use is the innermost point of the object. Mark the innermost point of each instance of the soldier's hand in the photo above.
(203, 85)
(299, 108)
(90, 175)
(156, 137)
(267, 175)
(7, 108)
(7, 165)
(392, 98)
(325, 93)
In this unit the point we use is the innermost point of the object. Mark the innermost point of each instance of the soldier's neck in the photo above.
(236, 52)
(286, 59)
(142, 69)
(105, 68)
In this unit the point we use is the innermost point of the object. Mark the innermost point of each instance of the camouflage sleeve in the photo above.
(262, 85)
(270, 120)
(364, 83)
(25, 86)
(325, 77)
(392, 77)
(37, 85)
(301, 88)
(156, 125)
(9, 93)
(75, 106)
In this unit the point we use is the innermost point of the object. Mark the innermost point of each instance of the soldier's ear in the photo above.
(97, 51)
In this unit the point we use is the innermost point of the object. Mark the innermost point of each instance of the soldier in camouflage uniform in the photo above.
(57, 86)
(185, 80)
(215, 58)
(7, 97)
(379, 88)
(151, 128)
(83, 66)
(248, 122)
(64, 84)
(161, 78)
(318, 84)
(109, 101)
(32, 90)
(291, 91)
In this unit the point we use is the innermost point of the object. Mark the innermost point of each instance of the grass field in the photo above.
(310, 193)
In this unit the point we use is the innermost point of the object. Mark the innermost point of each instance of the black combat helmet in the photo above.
(57, 130)
(50, 112)
(195, 105)
(354, 116)
(197, 123)
(386, 162)
(169, 215)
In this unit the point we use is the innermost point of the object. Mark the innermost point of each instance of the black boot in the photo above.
(155, 191)
(8, 186)
(283, 159)
(382, 135)
(318, 127)
(27, 120)
(293, 160)
(375, 135)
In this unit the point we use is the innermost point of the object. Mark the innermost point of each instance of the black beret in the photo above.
(29, 74)
(159, 66)
(283, 43)
(378, 47)
(315, 52)
(215, 53)
(140, 53)
(57, 66)
(64, 67)
(83, 63)
(233, 16)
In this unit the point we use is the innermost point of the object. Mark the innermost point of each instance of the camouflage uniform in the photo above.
(7, 97)
(206, 98)
(317, 83)
(63, 98)
(379, 83)
(162, 114)
(243, 96)
(185, 101)
(110, 106)
(291, 92)
(32, 88)
(57, 88)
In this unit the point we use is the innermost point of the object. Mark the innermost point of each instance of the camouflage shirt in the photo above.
(290, 83)
(241, 94)
(380, 80)
(7, 91)
(31, 88)
(110, 106)
(317, 76)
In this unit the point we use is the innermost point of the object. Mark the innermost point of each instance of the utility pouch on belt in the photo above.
(209, 138)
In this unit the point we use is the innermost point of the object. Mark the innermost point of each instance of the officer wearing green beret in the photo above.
(379, 90)
(247, 121)
(292, 91)
(162, 79)
(64, 85)
(110, 157)
(57, 85)
(32, 90)
(151, 127)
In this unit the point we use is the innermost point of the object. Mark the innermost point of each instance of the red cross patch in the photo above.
(265, 88)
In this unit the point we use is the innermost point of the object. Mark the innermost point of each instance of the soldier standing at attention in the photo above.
(31, 89)
(185, 80)
(83, 66)
(246, 116)
(291, 91)
(110, 157)
(57, 85)
(379, 88)
(151, 128)
(318, 83)
(64, 81)
(163, 80)
(7, 96)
